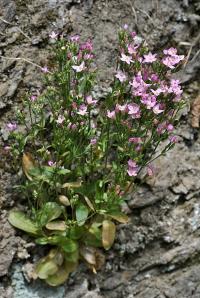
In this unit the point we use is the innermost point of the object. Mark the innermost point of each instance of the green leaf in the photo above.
(42, 240)
(19, 220)
(81, 214)
(76, 232)
(69, 245)
(62, 274)
(72, 257)
(49, 212)
(63, 171)
(46, 267)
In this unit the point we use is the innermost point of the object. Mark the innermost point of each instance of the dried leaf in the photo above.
(64, 200)
(195, 111)
(76, 184)
(28, 163)
(57, 225)
(89, 203)
(108, 234)
(88, 254)
(120, 217)
(19, 220)
(93, 257)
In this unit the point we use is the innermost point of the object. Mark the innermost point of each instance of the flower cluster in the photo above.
(80, 153)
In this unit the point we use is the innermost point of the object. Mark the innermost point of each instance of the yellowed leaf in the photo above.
(108, 233)
(28, 163)
(89, 203)
(64, 200)
(120, 217)
(57, 225)
(75, 184)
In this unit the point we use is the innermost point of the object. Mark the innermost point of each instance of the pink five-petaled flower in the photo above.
(171, 61)
(11, 126)
(125, 58)
(82, 110)
(120, 75)
(111, 114)
(45, 69)
(75, 38)
(53, 35)
(170, 51)
(157, 109)
(149, 58)
(79, 68)
(60, 119)
(132, 49)
(134, 110)
(121, 108)
(51, 163)
(90, 100)
(132, 168)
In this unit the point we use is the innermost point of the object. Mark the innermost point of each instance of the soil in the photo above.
(156, 255)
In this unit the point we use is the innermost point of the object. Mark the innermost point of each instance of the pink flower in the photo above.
(33, 98)
(135, 140)
(134, 110)
(11, 126)
(149, 101)
(171, 61)
(132, 49)
(173, 139)
(60, 119)
(150, 170)
(90, 100)
(53, 35)
(79, 68)
(125, 58)
(51, 163)
(133, 34)
(71, 126)
(121, 76)
(111, 115)
(149, 58)
(125, 26)
(75, 38)
(88, 56)
(93, 141)
(170, 51)
(121, 108)
(154, 77)
(45, 69)
(87, 46)
(170, 127)
(82, 110)
(132, 168)
(157, 109)
(7, 148)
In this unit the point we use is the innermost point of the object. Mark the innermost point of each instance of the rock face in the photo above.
(157, 254)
